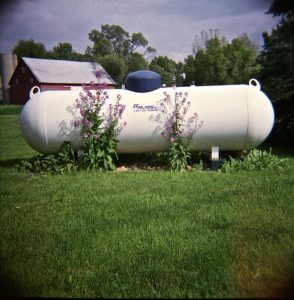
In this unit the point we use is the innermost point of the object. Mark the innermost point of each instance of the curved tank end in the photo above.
(32, 123)
(261, 116)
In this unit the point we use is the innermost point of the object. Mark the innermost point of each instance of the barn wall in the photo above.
(21, 83)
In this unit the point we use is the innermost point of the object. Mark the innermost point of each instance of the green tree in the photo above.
(136, 62)
(65, 51)
(137, 40)
(29, 48)
(101, 47)
(180, 74)
(115, 67)
(189, 69)
(149, 53)
(241, 56)
(115, 49)
(211, 65)
(117, 37)
(280, 7)
(276, 74)
(165, 67)
(114, 39)
(217, 61)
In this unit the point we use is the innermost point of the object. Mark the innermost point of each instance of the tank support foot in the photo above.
(214, 159)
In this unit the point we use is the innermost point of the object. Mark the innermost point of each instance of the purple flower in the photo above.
(172, 139)
(169, 129)
(76, 123)
(85, 135)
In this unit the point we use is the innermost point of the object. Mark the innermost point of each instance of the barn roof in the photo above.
(65, 71)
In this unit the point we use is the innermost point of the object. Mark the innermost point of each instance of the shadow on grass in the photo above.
(10, 287)
(279, 149)
(13, 163)
(160, 159)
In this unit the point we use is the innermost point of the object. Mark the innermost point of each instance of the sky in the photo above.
(170, 26)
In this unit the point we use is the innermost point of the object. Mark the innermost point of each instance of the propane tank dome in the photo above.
(143, 81)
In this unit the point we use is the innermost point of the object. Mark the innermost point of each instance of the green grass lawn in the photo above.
(143, 233)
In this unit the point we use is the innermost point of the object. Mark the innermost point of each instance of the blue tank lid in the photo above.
(143, 81)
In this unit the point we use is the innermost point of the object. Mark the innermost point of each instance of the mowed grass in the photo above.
(143, 233)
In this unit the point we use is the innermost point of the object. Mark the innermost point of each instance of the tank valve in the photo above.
(34, 90)
(254, 82)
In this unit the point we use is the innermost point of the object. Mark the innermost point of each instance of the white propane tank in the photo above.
(235, 117)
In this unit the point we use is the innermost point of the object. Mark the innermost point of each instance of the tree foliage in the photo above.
(280, 7)
(276, 74)
(65, 51)
(165, 67)
(136, 62)
(115, 66)
(216, 61)
(113, 46)
(211, 64)
(113, 39)
(241, 56)
(29, 48)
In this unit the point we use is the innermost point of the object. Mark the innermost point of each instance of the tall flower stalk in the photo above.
(178, 130)
(99, 126)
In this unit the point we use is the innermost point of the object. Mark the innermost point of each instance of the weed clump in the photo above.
(255, 160)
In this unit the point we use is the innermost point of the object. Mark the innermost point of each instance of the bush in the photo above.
(63, 161)
(255, 160)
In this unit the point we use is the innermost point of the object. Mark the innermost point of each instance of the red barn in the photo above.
(50, 75)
